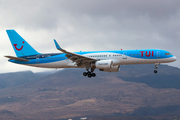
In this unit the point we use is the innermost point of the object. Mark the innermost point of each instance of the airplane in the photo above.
(107, 61)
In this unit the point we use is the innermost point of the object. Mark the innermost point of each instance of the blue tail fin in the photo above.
(21, 47)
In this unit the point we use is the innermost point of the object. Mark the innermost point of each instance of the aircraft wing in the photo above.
(16, 58)
(79, 59)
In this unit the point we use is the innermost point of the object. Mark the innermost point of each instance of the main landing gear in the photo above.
(88, 73)
(156, 67)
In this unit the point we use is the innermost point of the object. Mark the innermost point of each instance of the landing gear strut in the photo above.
(156, 67)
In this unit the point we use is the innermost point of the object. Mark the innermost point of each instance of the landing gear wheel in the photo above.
(85, 73)
(155, 71)
(93, 74)
(89, 75)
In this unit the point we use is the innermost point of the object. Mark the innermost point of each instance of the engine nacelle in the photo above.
(106, 66)
(112, 69)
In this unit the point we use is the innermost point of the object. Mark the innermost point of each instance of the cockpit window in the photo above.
(168, 54)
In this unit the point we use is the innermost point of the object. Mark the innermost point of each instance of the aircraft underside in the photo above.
(90, 68)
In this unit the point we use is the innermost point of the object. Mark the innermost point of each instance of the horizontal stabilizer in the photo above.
(16, 58)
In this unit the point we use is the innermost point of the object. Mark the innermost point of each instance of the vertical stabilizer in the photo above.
(20, 46)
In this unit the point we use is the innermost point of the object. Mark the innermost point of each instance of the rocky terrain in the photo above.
(134, 92)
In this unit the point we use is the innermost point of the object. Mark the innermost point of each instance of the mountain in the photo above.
(17, 78)
(167, 77)
(135, 91)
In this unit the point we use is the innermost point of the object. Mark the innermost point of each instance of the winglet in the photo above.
(57, 45)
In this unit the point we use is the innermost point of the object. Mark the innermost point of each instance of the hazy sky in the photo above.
(90, 25)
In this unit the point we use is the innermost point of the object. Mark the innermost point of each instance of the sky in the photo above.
(90, 25)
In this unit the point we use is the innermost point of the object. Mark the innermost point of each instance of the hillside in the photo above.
(17, 78)
(134, 91)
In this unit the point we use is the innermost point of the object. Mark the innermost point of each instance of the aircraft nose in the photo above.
(174, 58)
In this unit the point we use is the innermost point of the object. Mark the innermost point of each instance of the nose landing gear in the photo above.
(156, 67)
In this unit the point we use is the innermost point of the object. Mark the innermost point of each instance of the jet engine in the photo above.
(106, 66)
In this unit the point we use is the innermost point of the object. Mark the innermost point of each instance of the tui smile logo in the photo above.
(18, 49)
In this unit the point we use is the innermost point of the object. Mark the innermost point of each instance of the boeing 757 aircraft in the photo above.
(107, 61)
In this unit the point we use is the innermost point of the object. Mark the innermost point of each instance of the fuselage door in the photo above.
(37, 59)
(158, 54)
(125, 55)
